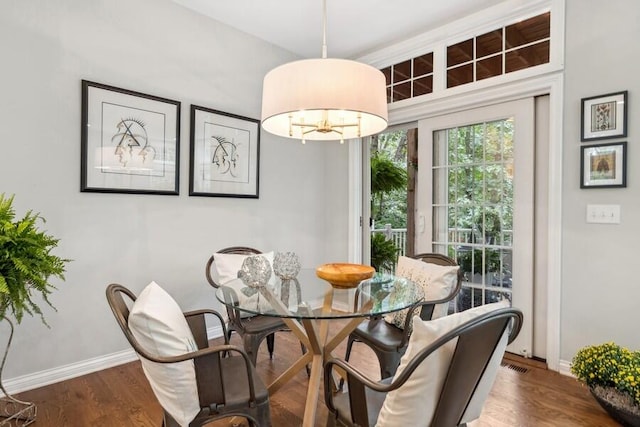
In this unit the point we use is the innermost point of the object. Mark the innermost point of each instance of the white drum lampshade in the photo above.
(324, 99)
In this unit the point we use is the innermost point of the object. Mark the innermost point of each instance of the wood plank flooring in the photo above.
(121, 396)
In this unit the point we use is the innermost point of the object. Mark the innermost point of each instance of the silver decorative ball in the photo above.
(286, 265)
(255, 271)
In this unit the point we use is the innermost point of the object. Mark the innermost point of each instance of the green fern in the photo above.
(384, 253)
(26, 263)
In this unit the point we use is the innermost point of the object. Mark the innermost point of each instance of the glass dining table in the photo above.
(307, 305)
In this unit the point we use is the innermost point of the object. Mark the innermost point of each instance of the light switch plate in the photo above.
(603, 214)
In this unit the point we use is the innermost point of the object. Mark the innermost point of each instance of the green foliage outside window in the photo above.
(478, 174)
(480, 179)
(468, 260)
(389, 179)
(388, 190)
(388, 195)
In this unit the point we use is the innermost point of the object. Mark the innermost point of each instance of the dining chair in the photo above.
(200, 382)
(388, 341)
(449, 370)
(252, 329)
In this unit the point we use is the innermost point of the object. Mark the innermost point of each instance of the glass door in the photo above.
(475, 198)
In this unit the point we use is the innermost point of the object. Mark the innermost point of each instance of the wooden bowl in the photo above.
(343, 275)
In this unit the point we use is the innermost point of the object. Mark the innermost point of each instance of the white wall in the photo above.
(159, 48)
(600, 287)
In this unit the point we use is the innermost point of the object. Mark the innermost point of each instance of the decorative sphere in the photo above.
(286, 265)
(255, 271)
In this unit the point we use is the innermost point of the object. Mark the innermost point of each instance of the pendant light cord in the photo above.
(324, 29)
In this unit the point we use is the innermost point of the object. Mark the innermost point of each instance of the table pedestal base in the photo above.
(314, 335)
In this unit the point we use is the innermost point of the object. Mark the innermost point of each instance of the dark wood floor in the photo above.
(121, 396)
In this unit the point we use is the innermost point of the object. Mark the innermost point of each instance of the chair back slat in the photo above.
(209, 379)
(474, 350)
(198, 327)
(358, 402)
(434, 258)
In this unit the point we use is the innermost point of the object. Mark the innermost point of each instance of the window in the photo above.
(413, 77)
(510, 48)
(516, 46)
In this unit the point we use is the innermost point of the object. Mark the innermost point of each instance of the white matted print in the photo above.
(130, 141)
(225, 150)
(604, 116)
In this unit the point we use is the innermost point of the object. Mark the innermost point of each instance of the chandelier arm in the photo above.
(304, 132)
(346, 125)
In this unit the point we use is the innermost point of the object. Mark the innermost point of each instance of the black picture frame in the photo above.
(224, 156)
(130, 141)
(603, 165)
(604, 116)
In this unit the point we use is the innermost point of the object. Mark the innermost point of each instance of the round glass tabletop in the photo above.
(309, 297)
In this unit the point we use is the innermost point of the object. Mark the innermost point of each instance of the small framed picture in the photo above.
(225, 154)
(130, 141)
(603, 165)
(604, 117)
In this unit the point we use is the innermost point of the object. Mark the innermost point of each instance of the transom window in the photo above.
(511, 48)
(517, 46)
(413, 77)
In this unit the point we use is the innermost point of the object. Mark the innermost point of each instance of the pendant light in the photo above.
(324, 99)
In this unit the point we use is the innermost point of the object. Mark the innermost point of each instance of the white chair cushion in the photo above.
(225, 271)
(158, 324)
(436, 282)
(414, 403)
(226, 267)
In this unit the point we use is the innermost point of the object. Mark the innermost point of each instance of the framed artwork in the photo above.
(130, 141)
(225, 154)
(604, 116)
(603, 165)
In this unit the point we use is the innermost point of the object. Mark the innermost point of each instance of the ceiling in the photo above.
(354, 27)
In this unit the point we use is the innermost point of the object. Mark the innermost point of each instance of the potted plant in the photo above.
(384, 253)
(386, 177)
(612, 373)
(26, 265)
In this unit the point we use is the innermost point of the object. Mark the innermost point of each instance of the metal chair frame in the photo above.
(477, 340)
(389, 342)
(214, 368)
(252, 329)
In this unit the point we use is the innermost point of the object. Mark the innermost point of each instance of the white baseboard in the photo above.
(61, 373)
(66, 372)
(564, 367)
